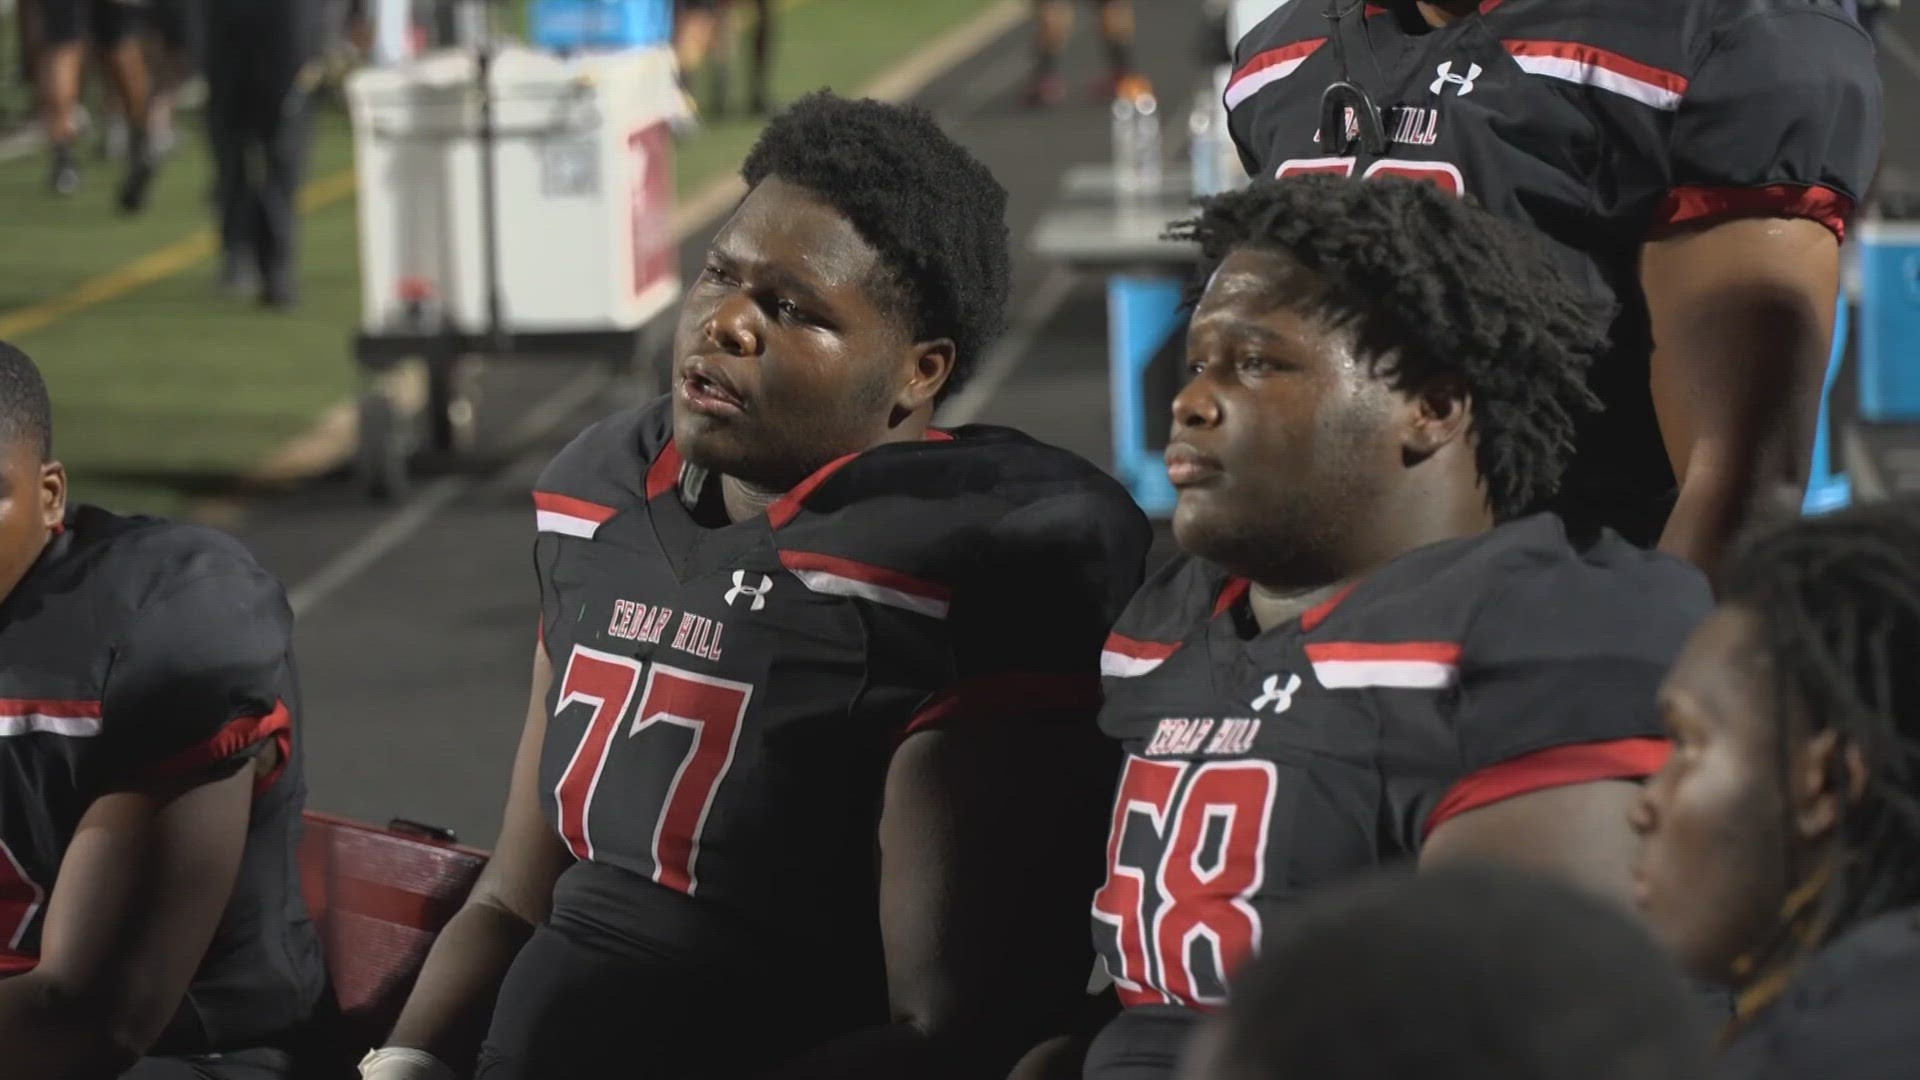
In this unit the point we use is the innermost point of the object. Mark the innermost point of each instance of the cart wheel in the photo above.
(382, 458)
(452, 389)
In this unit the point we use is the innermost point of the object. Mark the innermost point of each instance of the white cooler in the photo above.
(584, 192)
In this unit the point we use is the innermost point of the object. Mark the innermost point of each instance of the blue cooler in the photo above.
(1827, 489)
(1146, 341)
(585, 25)
(1889, 320)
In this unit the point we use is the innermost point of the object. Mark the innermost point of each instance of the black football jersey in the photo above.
(726, 700)
(139, 649)
(1600, 124)
(1262, 765)
(1848, 1012)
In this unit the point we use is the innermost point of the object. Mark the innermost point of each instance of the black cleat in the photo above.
(139, 178)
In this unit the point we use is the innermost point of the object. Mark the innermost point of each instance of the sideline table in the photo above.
(1090, 229)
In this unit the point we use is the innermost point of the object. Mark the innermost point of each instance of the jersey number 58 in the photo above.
(712, 709)
(1186, 854)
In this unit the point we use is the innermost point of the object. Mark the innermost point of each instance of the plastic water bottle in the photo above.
(1136, 145)
(1203, 146)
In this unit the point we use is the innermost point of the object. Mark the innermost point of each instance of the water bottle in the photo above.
(1203, 146)
(1136, 146)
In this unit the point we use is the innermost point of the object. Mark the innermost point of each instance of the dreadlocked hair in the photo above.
(1437, 293)
(1838, 604)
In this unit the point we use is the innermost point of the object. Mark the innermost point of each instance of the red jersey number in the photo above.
(1440, 174)
(1185, 857)
(711, 708)
(20, 900)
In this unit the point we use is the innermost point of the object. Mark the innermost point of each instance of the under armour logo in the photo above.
(1272, 693)
(1464, 82)
(741, 588)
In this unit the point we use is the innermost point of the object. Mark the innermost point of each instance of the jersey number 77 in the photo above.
(711, 708)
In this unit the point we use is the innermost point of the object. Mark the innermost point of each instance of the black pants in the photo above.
(105, 23)
(258, 123)
(571, 1009)
(241, 1065)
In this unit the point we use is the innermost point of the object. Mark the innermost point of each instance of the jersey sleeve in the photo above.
(1781, 118)
(199, 678)
(1026, 626)
(1558, 674)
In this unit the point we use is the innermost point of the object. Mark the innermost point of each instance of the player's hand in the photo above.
(403, 1063)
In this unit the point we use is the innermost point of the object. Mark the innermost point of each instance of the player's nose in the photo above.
(1197, 405)
(734, 326)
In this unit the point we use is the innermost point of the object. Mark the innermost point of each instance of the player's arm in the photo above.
(989, 849)
(995, 810)
(192, 723)
(1777, 135)
(1555, 715)
(135, 905)
(1577, 832)
(447, 1015)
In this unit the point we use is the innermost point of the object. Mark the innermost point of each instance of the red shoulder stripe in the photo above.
(1696, 206)
(239, 734)
(74, 719)
(1267, 68)
(1559, 766)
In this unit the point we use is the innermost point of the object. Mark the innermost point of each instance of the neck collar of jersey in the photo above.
(671, 471)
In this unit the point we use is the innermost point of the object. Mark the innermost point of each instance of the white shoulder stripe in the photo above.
(73, 727)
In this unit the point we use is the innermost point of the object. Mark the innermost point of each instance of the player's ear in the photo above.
(53, 494)
(1827, 774)
(929, 366)
(1437, 415)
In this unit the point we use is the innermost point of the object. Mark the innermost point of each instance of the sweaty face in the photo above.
(1713, 871)
(785, 357)
(29, 510)
(1281, 433)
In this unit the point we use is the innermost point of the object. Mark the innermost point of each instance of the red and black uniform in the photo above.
(1263, 765)
(137, 650)
(1601, 126)
(725, 703)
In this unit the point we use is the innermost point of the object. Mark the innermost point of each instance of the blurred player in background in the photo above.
(783, 618)
(113, 28)
(1053, 25)
(260, 68)
(1694, 160)
(174, 52)
(1782, 850)
(1460, 973)
(1366, 654)
(151, 921)
(704, 38)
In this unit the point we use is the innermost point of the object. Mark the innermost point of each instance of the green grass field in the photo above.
(169, 392)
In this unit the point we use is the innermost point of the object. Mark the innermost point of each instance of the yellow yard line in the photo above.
(151, 268)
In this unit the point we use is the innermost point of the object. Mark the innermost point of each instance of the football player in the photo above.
(783, 618)
(150, 788)
(1782, 848)
(1461, 973)
(1695, 160)
(1053, 24)
(1367, 654)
